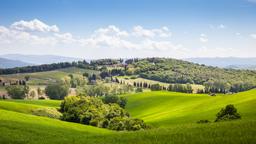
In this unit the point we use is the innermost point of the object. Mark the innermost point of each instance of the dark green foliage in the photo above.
(139, 89)
(27, 77)
(17, 92)
(155, 87)
(121, 101)
(227, 113)
(92, 111)
(101, 62)
(203, 121)
(56, 91)
(180, 88)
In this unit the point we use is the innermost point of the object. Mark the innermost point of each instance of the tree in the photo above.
(27, 77)
(139, 89)
(17, 92)
(155, 87)
(121, 101)
(227, 113)
(56, 91)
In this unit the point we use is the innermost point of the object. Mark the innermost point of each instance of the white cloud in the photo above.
(109, 41)
(203, 38)
(253, 36)
(34, 25)
(237, 34)
(221, 26)
(151, 33)
(113, 37)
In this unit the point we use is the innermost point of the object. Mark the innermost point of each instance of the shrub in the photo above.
(227, 113)
(155, 87)
(139, 89)
(203, 121)
(56, 91)
(121, 101)
(133, 77)
(17, 92)
(47, 112)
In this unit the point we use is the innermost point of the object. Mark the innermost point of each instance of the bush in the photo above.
(227, 113)
(133, 77)
(155, 87)
(203, 121)
(17, 92)
(56, 91)
(139, 89)
(121, 101)
(47, 112)
(92, 111)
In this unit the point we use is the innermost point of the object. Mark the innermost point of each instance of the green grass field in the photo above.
(172, 116)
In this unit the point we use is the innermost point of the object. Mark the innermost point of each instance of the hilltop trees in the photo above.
(215, 79)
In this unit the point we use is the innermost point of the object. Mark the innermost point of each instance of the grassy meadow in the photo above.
(172, 117)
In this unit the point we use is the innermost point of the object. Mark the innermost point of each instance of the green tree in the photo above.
(227, 113)
(56, 91)
(155, 87)
(17, 92)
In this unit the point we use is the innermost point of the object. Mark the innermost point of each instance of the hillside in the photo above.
(178, 71)
(172, 115)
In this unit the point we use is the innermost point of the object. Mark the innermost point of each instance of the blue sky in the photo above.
(89, 28)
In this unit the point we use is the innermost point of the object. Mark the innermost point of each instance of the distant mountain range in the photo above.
(39, 59)
(227, 62)
(18, 60)
(7, 63)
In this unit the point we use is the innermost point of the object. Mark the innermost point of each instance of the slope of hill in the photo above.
(178, 71)
(39, 59)
(8, 63)
(167, 108)
(172, 115)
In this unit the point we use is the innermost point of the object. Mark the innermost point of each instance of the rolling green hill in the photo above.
(169, 108)
(172, 115)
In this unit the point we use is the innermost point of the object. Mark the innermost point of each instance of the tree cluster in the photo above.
(56, 91)
(17, 91)
(92, 111)
(227, 113)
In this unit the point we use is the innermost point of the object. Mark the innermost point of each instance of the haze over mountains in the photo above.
(227, 62)
(7, 63)
(19, 60)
